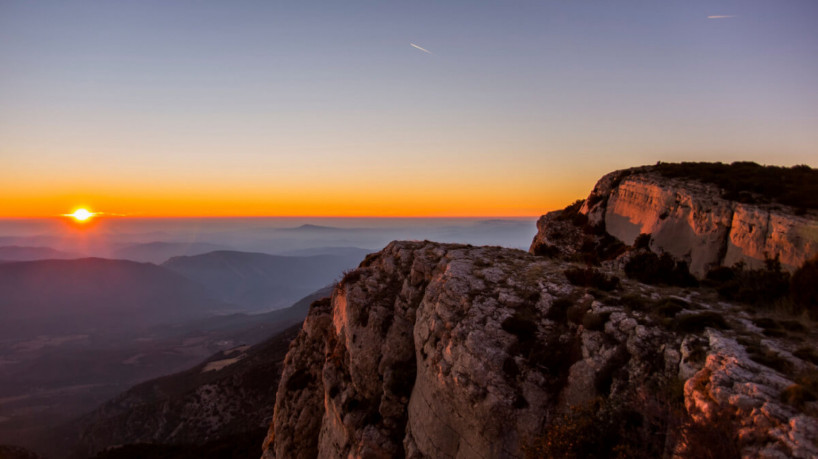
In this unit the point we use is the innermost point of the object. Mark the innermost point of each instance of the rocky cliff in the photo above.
(695, 221)
(441, 350)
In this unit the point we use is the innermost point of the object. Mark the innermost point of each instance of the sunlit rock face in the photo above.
(452, 351)
(691, 221)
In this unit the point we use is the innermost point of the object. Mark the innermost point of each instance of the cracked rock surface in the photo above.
(454, 351)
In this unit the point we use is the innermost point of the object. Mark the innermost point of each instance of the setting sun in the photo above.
(81, 215)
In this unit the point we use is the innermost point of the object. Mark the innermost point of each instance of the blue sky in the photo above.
(226, 102)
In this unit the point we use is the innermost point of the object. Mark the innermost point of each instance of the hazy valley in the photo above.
(78, 331)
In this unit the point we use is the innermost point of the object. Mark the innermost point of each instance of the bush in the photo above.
(807, 353)
(637, 426)
(797, 395)
(521, 327)
(649, 268)
(642, 242)
(555, 355)
(613, 367)
(576, 313)
(595, 322)
(603, 428)
(590, 277)
(546, 250)
(633, 302)
(752, 183)
(720, 275)
(669, 307)
(510, 368)
(715, 439)
(793, 326)
(559, 308)
(762, 355)
(621, 427)
(771, 359)
(804, 288)
(571, 211)
(769, 326)
(804, 390)
(758, 287)
(299, 380)
(350, 276)
(696, 323)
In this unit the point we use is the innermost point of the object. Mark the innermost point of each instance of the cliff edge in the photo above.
(689, 214)
(443, 350)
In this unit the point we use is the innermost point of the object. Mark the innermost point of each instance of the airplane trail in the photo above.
(422, 49)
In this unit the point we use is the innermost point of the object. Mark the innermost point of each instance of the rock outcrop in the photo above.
(694, 222)
(453, 351)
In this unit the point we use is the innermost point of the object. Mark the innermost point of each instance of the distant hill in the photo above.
(254, 328)
(158, 252)
(313, 228)
(342, 251)
(259, 281)
(225, 401)
(72, 296)
(25, 253)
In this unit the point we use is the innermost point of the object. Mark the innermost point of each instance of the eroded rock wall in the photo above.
(691, 221)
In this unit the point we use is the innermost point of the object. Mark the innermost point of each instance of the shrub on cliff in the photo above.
(752, 183)
(642, 241)
(546, 250)
(649, 268)
(758, 287)
(590, 277)
(804, 288)
(644, 426)
(600, 246)
(617, 426)
(602, 428)
(572, 211)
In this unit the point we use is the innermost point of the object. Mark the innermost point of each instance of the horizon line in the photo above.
(181, 217)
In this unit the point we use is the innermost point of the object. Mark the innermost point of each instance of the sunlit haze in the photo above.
(364, 108)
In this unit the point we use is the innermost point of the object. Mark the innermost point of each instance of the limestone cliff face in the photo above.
(691, 221)
(452, 351)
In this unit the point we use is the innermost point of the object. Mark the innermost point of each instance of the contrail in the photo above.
(422, 49)
(721, 16)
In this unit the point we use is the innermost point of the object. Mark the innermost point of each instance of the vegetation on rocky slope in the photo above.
(752, 183)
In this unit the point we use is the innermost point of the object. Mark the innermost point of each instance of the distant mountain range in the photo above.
(341, 251)
(158, 252)
(26, 253)
(258, 281)
(314, 228)
(83, 295)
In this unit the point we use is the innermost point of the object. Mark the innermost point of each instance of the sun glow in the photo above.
(81, 215)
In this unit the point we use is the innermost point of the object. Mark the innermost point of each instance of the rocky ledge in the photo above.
(441, 350)
(694, 220)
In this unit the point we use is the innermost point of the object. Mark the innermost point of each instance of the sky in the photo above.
(387, 108)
